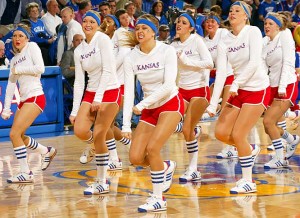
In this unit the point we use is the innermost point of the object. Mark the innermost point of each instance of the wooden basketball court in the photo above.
(58, 191)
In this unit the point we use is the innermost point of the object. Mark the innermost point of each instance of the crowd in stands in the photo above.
(54, 23)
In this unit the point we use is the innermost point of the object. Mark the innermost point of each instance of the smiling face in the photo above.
(89, 26)
(19, 40)
(110, 25)
(237, 15)
(211, 26)
(183, 26)
(271, 28)
(144, 33)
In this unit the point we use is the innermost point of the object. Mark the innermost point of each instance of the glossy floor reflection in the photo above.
(58, 191)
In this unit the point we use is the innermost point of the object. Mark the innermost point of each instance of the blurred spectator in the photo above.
(130, 8)
(113, 6)
(164, 34)
(296, 15)
(3, 31)
(121, 4)
(39, 34)
(138, 8)
(24, 5)
(67, 62)
(73, 4)
(216, 9)
(147, 5)
(157, 11)
(84, 6)
(50, 19)
(203, 5)
(73, 27)
(123, 18)
(3, 60)
(95, 4)
(287, 5)
(10, 12)
(104, 9)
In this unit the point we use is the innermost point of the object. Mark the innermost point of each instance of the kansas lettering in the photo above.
(84, 56)
(20, 60)
(235, 49)
(148, 66)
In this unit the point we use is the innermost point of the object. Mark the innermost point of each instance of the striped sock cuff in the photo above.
(125, 141)
(285, 134)
(246, 161)
(157, 176)
(20, 152)
(192, 146)
(32, 144)
(111, 144)
(91, 139)
(282, 125)
(277, 143)
(179, 127)
(102, 159)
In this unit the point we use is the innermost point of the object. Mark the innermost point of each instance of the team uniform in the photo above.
(251, 82)
(280, 58)
(120, 52)
(212, 45)
(157, 73)
(194, 63)
(29, 66)
(97, 59)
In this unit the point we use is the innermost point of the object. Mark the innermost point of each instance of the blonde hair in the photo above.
(131, 40)
(281, 18)
(246, 8)
(31, 5)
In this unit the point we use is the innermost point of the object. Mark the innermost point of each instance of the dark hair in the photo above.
(119, 13)
(152, 11)
(83, 4)
(105, 3)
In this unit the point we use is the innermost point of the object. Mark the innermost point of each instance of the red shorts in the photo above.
(229, 80)
(39, 101)
(151, 116)
(250, 97)
(291, 93)
(110, 96)
(202, 92)
(122, 90)
(212, 73)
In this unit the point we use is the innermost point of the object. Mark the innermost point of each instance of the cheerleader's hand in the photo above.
(126, 135)
(72, 119)
(136, 111)
(6, 113)
(233, 94)
(95, 106)
(281, 94)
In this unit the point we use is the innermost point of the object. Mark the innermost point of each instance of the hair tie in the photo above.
(148, 23)
(243, 7)
(115, 20)
(275, 19)
(23, 30)
(190, 19)
(91, 14)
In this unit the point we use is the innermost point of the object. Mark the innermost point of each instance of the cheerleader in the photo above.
(154, 64)
(194, 60)
(249, 92)
(99, 104)
(279, 51)
(26, 68)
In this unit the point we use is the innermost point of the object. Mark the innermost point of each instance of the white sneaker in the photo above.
(47, 158)
(270, 147)
(255, 151)
(291, 147)
(114, 165)
(197, 131)
(243, 186)
(276, 163)
(153, 204)
(227, 153)
(190, 175)
(169, 175)
(97, 189)
(21, 178)
(87, 155)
